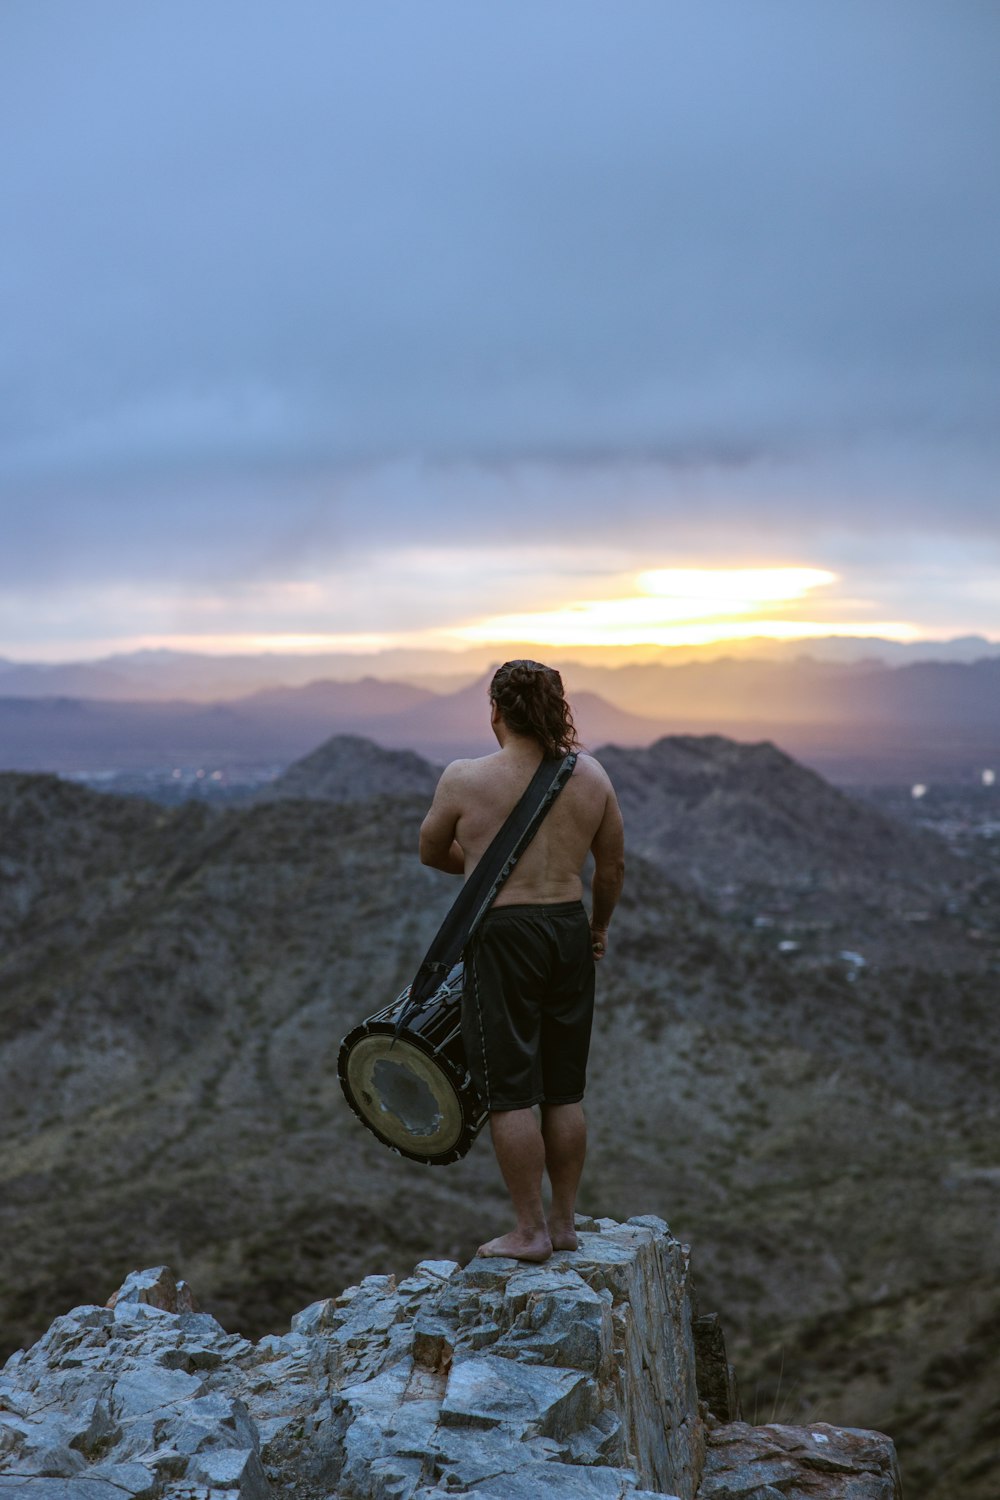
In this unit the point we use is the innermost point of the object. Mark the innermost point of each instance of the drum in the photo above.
(414, 1091)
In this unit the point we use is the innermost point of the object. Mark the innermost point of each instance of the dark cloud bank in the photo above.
(276, 291)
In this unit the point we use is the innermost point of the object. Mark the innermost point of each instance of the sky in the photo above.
(348, 325)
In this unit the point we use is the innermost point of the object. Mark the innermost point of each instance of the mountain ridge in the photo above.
(191, 674)
(914, 722)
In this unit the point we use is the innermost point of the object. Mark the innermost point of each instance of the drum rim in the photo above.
(468, 1129)
(375, 1047)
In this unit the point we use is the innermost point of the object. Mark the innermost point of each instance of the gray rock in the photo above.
(31, 1487)
(437, 1270)
(367, 1317)
(231, 1469)
(129, 1479)
(529, 1401)
(96, 1429)
(482, 1335)
(558, 1320)
(799, 1463)
(210, 1421)
(190, 1357)
(166, 1462)
(600, 1443)
(556, 1481)
(364, 1443)
(156, 1288)
(716, 1376)
(12, 1434)
(151, 1388)
(433, 1345)
(315, 1318)
(54, 1461)
(571, 1379)
(395, 1478)
(56, 1347)
(380, 1396)
(652, 1222)
(463, 1457)
(427, 1276)
(203, 1328)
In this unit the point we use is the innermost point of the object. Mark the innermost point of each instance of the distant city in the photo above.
(171, 785)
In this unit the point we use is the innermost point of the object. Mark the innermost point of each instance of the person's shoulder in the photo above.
(589, 765)
(459, 772)
(591, 771)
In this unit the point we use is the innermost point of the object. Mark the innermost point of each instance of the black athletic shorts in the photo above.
(528, 1004)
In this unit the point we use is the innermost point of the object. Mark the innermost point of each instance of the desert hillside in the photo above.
(174, 985)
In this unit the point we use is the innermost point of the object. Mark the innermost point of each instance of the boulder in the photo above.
(155, 1288)
(820, 1462)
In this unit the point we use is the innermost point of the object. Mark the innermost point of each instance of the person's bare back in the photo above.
(474, 798)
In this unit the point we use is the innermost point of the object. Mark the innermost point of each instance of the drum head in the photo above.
(405, 1098)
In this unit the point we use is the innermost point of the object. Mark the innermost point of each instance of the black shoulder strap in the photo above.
(477, 894)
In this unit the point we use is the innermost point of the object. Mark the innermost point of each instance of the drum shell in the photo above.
(427, 1067)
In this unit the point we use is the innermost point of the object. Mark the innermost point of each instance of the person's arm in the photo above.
(439, 847)
(608, 849)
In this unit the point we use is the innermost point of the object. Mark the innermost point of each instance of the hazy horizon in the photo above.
(473, 658)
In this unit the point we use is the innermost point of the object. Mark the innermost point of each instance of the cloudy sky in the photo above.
(357, 322)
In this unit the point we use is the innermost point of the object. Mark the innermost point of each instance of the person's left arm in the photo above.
(439, 847)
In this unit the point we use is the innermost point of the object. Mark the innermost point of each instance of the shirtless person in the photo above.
(529, 968)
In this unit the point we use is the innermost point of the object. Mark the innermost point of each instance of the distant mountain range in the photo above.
(272, 725)
(853, 721)
(202, 678)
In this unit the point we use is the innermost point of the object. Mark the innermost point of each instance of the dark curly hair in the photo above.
(531, 701)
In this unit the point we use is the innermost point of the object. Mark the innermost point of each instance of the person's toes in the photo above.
(518, 1247)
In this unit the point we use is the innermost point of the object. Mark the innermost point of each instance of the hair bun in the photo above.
(531, 700)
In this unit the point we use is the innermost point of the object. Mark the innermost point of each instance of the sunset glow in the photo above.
(688, 606)
(701, 591)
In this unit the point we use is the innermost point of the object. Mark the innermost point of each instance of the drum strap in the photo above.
(479, 891)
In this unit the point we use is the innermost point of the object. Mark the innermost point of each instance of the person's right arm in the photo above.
(439, 847)
(608, 849)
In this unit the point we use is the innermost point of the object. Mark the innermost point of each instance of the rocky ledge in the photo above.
(588, 1378)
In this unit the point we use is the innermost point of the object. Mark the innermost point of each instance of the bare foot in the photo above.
(519, 1246)
(563, 1238)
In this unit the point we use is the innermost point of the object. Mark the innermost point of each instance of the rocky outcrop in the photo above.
(348, 768)
(711, 811)
(798, 1463)
(577, 1378)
